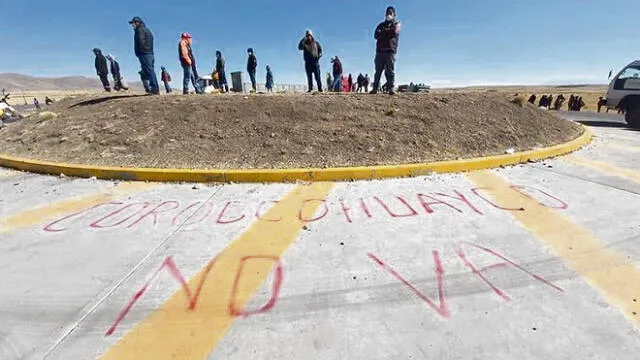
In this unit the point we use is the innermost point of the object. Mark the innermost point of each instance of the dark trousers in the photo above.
(147, 62)
(117, 83)
(104, 78)
(385, 61)
(167, 87)
(313, 69)
(224, 86)
(252, 76)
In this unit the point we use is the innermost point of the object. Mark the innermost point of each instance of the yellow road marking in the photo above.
(607, 270)
(603, 167)
(623, 147)
(175, 332)
(37, 216)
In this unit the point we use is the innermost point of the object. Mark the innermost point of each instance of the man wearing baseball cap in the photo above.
(387, 34)
(187, 61)
(143, 46)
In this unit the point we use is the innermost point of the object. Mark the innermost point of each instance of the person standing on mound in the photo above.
(252, 66)
(143, 47)
(312, 52)
(387, 35)
(269, 83)
(101, 69)
(220, 64)
(187, 61)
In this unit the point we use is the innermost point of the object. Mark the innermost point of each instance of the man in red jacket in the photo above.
(387, 35)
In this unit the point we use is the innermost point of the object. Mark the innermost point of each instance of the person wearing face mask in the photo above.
(387, 35)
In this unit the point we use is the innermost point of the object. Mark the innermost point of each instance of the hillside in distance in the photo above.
(11, 82)
(14, 82)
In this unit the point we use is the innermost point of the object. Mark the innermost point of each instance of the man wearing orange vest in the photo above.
(187, 60)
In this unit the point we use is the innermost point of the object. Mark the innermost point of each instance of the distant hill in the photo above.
(13, 82)
(20, 82)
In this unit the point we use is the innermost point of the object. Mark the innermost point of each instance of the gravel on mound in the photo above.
(282, 131)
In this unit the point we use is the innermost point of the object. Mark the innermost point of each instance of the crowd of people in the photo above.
(575, 102)
(386, 35)
(340, 82)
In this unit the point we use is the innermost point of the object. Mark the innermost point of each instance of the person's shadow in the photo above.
(103, 99)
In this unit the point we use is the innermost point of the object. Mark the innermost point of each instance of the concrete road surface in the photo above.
(537, 261)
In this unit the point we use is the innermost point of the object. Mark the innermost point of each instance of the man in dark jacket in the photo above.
(252, 65)
(220, 63)
(387, 35)
(143, 45)
(101, 69)
(360, 82)
(312, 52)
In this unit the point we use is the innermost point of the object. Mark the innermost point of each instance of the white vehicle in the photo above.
(624, 93)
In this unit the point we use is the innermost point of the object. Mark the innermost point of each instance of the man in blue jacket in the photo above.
(387, 34)
(143, 45)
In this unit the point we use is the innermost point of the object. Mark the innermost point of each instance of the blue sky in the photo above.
(443, 43)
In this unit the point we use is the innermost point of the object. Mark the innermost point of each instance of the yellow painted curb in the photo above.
(284, 175)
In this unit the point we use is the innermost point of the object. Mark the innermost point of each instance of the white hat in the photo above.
(309, 32)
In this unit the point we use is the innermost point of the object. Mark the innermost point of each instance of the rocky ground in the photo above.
(282, 130)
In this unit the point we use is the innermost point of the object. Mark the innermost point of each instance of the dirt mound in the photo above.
(282, 131)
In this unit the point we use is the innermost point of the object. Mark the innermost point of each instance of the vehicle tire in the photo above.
(633, 115)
